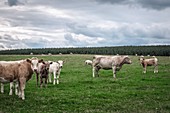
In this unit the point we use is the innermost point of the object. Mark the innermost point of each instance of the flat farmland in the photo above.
(78, 91)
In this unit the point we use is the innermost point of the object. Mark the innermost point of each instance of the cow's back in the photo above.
(105, 62)
(8, 72)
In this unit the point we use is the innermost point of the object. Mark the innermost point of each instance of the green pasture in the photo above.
(79, 92)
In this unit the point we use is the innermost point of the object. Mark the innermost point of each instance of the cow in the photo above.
(109, 62)
(44, 73)
(11, 83)
(36, 65)
(55, 69)
(149, 62)
(88, 62)
(22, 72)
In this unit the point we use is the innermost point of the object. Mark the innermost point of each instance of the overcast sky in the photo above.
(83, 23)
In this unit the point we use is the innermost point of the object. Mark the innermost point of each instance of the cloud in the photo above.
(11, 42)
(149, 4)
(82, 40)
(154, 4)
(72, 23)
(14, 2)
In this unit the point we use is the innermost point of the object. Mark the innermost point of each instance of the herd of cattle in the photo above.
(19, 72)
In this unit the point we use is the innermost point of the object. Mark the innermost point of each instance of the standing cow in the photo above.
(21, 72)
(55, 69)
(149, 62)
(109, 62)
(36, 65)
(44, 73)
(6, 63)
(7, 68)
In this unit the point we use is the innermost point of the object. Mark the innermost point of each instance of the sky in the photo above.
(83, 23)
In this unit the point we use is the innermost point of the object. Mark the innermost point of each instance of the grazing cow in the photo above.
(149, 62)
(109, 62)
(55, 69)
(44, 73)
(88, 62)
(21, 72)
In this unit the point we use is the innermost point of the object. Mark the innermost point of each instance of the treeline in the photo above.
(159, 50)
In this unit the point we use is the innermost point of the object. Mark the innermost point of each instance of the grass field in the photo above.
(131, 92)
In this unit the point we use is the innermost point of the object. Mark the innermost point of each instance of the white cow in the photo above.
(55, 69)
(109, 62)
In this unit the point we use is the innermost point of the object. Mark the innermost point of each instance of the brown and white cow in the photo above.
(36, 65)
(21, 72)
(109, 62)
(149, 62)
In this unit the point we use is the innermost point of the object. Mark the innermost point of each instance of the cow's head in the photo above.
(34, 63)
(45, 68)
(61, 63)
(127, 60)
(141, 58)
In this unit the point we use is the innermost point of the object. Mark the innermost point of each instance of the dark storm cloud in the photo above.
(149, 4)
(15, 2)
(154, 4)
(12, 2)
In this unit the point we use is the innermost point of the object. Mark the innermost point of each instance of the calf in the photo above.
(44, 73)
(55, 69)
(149, 62)
(21, 72)
(109, 62)
(88, 62)
(36, 65)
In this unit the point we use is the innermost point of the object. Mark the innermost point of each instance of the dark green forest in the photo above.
(159, 50)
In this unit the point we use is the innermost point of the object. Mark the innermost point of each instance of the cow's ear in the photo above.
(39, 61)
(28, 60)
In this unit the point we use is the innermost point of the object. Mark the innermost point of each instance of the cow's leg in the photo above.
(97, 71)
(2, 88)
(46, 81)
(37, 76)
(49, 77)
(93, 70)
(114, 71)
(155, 69)
(144, 69)
(16, 88)
(11, 87)
(41, 81)
(22, 82)
(58, 76)
(54, 73)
